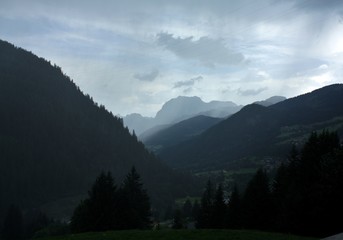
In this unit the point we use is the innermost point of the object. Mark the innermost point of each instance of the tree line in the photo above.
(304, 197)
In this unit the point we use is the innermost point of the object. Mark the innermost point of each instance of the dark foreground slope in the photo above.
(54, 140)
(257, 134)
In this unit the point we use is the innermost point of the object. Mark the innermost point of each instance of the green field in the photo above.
(179, 235)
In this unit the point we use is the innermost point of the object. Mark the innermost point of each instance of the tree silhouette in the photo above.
(307, 192)
(257, 202)
(98, 212)
(205, 216)
(219, 208)
(234, 212)
(134, 203)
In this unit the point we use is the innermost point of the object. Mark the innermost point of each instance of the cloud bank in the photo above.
(207, 51)
(132, 56)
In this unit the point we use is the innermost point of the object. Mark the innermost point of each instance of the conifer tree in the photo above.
(98, 212)
(234, 212)
(135, 204)
(257, 202)
(219, 208)
(205, 216)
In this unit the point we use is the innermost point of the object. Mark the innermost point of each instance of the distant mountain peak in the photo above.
(181, 108)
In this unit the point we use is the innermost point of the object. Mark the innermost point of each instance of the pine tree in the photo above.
(81, 221)
(98, 212)
(257, 202)
(219, 208)
(234, 212)
(308, 191)
(205, 216)
(135, 204)
(280, 196)
(313, 197)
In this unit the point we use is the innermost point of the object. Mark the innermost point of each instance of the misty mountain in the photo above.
(271, 101)
(178, 109)
(179, 132)
(54, 140)
(258, 135)
(161, 136)
(138, 123)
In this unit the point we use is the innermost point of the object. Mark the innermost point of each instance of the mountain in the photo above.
(258, 135)
(178, 109)
(271, 101)
(181, 108)
(136, 122)
(54, 141)
(179, 132)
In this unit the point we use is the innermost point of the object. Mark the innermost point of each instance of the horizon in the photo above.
(134, 56)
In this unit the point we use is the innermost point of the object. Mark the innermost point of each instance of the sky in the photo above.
(134, 55)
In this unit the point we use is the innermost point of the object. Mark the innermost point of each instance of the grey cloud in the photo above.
(148, 77)
(205, 50)
(188, 90)
(251, 92)
(188, 83)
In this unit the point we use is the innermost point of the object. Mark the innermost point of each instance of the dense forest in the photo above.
(304, 197)
(55, 140)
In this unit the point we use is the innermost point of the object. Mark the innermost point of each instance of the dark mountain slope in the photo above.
(179, 132)
(317, 106)
(54, 140)
(231, 139)
(257, 133)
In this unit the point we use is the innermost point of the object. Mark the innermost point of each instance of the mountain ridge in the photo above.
(258, 131)
(179, 132)
(179, 109)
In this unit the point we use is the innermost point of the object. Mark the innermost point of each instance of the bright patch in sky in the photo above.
(134, 55)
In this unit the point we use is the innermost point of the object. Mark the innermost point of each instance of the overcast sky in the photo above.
(134, 55)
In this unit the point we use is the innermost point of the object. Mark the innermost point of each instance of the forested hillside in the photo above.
(258, 134)
(54, 140)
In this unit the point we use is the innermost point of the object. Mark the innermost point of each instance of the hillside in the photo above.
(179, 132)
(258, 135)
(55, 140)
